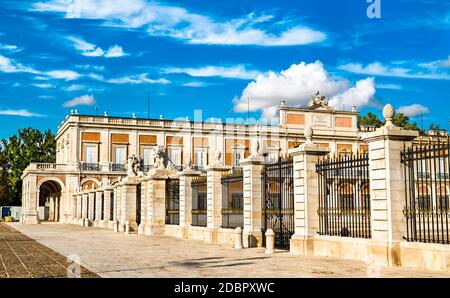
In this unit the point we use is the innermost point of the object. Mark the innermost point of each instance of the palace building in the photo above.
(94, 149)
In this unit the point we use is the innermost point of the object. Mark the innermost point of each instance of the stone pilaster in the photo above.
(98, 207)
(144, 207)
(306, 197)
(387, 190)
(214, 174)
(252, 233)
(186, 200)
(128, 201)
(30, 197)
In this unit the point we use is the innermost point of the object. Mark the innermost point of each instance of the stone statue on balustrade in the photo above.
(161, 160)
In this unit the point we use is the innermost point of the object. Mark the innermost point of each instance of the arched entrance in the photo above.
(50, 199)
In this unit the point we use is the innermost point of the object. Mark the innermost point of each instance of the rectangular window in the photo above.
(90, 153)
(200, 157)
(120, 153)
(175, 156)
(238, 154)
(237, 201)
(147, 153)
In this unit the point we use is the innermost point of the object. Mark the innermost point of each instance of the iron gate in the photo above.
(173, 201)
(278, 201)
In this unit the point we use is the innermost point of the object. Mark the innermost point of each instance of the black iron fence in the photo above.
(199, 201)
(278, 201)
(344, 196)
(233, 199)
(427, 185)
(173, 201)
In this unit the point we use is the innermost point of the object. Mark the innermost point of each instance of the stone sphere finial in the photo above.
(388, 114)
(308, 134)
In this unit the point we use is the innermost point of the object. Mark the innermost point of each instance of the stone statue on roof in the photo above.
(318, 99)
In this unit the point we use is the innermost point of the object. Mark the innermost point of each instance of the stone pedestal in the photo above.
(186, 200)
(387, 192)
(252, 233)
(128, 202)
(214, 200)
(306, 197)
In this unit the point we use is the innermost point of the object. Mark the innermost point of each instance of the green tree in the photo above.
(401, 120)
(4, 190)
(435, 126)
(369, 120)
(29, 145)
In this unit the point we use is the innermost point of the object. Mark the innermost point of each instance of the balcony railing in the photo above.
(117, 167)
(90, 167)
(49, 166)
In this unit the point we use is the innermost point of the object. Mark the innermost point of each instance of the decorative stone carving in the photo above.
(217, 156)
(254, 148)
(133, 166)
(318, 99)
(188, 165)
(161, 160)
(388, 114)
(308, 134)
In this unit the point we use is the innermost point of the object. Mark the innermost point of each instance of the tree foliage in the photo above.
(400, 120)
(16, 153)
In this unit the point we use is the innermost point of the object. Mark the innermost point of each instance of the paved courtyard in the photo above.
(110, 254)
(21, 256)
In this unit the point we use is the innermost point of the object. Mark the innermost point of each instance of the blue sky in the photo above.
(56, 56)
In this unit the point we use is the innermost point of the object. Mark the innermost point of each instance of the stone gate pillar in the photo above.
(156, 201)
(84, 212)
(387, 189)
(144, 207)
(214, 174)
(306, 194)
(186, 200)
(128, 201)
(252, 233)
(98, 207)
(74, 212)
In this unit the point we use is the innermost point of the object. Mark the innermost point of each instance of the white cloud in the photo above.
(91, 50)
(235, 72)
(10, 48)
(86, 100)
(44, 85)
(90, 67)
(390, 86)
(175, 22)
(378, 69)
(138, 79)
(67, 75)
(115, 51)
(74, 87)
(413, 110)
(195, 84)
(297, 84)
(21, 113)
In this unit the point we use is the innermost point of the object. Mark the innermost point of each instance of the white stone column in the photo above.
(186, 200)
(31, 197)
(84, 212)
(74, 209)
(144, 207)
(107, 207)
(91, 211)
(98, 207)
(387, 189)
(306, 196)
(79, 209)
(252, 233)
(214, 174)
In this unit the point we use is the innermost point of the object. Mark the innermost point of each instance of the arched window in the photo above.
(443, 198)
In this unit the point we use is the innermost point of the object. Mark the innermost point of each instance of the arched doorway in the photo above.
(50, 200)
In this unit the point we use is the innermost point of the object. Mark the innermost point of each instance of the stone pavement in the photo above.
(112, 254)
(21, 256)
